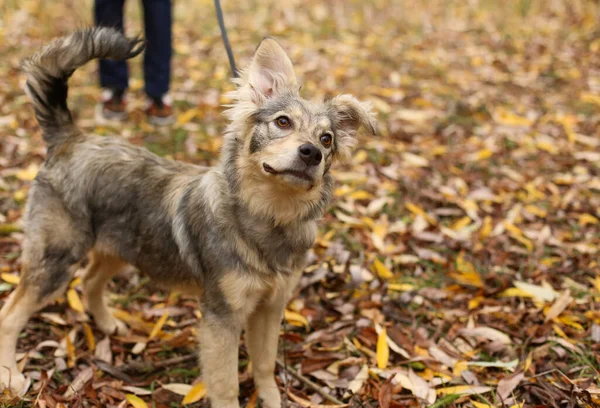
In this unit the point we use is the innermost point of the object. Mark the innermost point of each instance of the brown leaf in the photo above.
(385, 393)
(507, 385)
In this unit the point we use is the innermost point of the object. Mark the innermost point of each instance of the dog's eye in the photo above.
(283, 122)
(326, 140)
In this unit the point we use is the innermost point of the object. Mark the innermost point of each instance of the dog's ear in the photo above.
(349, 114)
(271, 71)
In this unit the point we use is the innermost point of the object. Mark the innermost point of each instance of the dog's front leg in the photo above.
(262, 335)
(219, 341)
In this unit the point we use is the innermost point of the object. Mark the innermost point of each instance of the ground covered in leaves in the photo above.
(459, 263)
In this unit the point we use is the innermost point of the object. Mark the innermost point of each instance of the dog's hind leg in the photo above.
(55, 243)
(41, 283)
(102, 267)
(13, 317)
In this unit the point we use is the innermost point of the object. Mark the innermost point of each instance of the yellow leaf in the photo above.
(513, 229)
(342, 191)
(416, 210)
(197, 392)
(70, 352)
(585, 219)
(414, 160)
(505, 117)
(546, 146)
(136, 401)
(528, 361)
(89, 336)
(401, 287)
(517, 234)
(590, 97)
(463, 390)
(537, 211)
(459, 367)
(361, 195)
(295, 318)
(29, 173)
(481, 155)
(596, 283)
(570, 320)
(20, 195)
(158, 326)
(186, 116)
(561, 333)
(470, 279)
(475, 302)
(75, 301)
(550, 261)
(516, 292)
(460, 224)
(480, 404)
(75, 282)
(253, 400)
(382, 270)
(533, 192)
(462, 265)
(10, 278)
(383, 350)
(360, 157)
(486, 228)
(439, 150)
(421, 351)
(135, 322)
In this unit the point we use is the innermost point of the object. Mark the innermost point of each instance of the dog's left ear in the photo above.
(271, 71)
(349, 114)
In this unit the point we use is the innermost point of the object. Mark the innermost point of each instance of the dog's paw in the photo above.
(269, 397)
(219, 403)
(12, 379)
(112, 326)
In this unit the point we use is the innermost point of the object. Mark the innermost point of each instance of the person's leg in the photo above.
(113, 74)
(157, 58)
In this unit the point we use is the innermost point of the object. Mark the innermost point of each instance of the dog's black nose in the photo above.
(310, 154)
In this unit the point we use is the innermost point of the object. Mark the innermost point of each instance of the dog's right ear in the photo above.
(271, 72)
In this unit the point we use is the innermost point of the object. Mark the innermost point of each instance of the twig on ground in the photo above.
(309, 383)
(138, 366)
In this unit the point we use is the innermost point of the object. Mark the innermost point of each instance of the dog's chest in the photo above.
(280, 249)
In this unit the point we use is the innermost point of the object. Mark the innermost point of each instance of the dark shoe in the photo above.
(160, 112)
(112, 107)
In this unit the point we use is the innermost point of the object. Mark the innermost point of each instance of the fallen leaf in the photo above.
(487, 333)
(159, 325)
(136, 401)
(382, 270)
(542, 293)
(507, 385)
(75, 301)
(383, 350)
(559, 305)
(10, 278)
(196, 393)
(463, 390)
(295, 318)
(177, 388)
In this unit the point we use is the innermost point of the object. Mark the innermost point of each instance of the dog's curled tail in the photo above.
(49, 69)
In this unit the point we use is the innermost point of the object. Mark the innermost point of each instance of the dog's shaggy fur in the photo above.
(236, 235)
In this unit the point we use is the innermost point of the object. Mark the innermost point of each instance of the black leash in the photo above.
(226, 39)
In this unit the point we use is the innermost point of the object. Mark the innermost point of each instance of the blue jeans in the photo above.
(157, 57)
